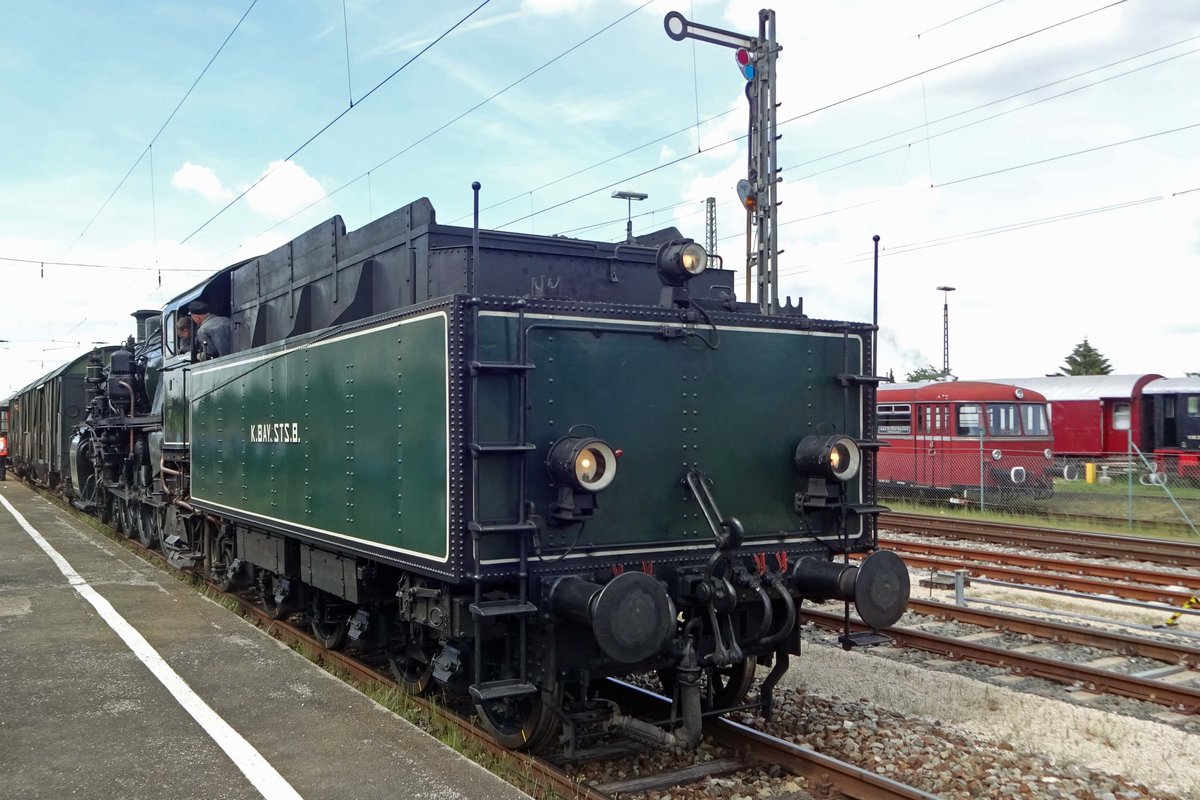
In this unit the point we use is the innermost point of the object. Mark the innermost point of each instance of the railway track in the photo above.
(1150, 577)
(538, 776)
(1078, 583)
(844, 779)
(1183, 699)
(1098, 545)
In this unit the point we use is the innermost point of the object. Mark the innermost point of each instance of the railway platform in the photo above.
(118, 680)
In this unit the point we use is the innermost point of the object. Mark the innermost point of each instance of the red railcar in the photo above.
(959, 439)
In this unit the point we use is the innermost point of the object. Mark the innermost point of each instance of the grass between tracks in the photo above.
(1145, 529)
(512, 769)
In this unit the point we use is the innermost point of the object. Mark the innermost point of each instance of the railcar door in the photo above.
(933, 422)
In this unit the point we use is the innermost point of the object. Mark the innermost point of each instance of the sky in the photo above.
(1051, 176)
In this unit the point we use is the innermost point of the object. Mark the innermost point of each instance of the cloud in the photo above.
(285, 189)
(201, 180)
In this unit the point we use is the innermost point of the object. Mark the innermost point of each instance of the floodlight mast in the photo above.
(763, 168)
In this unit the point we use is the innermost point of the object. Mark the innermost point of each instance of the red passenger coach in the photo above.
(961, 439)
(1093, 416)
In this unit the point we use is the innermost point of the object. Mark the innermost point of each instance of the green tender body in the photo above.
(344, 437)
(349, 438)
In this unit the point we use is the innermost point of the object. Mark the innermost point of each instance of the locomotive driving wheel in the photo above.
(524, 722)
(151, 522)
(127, 519)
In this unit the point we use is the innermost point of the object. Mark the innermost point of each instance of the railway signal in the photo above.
(755, 57)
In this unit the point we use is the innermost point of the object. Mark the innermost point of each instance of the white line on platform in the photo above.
(256, 768)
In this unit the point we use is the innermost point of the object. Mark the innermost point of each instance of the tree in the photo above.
(929, 373)
(1086, 360)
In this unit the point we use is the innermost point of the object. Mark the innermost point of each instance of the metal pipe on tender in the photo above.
(475, 187)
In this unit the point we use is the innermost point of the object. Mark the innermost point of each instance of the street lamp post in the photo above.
(629, 197)
(945, 290)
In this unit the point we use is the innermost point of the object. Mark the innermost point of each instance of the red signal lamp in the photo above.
(744, 62)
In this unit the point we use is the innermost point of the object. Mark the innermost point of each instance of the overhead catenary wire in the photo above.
(529, 192)
(161, 128)
(334, 121)
(940, 133)
(909, 247)
(991, 117)
(824, 107)
(102, 266)
(458, 118)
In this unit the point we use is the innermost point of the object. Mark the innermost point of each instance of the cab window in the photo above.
(968, 420)
(1002, 419)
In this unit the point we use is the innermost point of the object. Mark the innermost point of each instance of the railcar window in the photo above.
(1193, 406)
(895, 419)
(1034, 418)
(1121, 416)
(968, 420)
(1168, 406)
(1002, 419)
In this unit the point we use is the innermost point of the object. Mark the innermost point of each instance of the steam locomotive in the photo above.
(512, 464)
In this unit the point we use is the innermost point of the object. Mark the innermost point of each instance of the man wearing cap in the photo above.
(213, 332)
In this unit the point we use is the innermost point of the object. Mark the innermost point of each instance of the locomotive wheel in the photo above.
(726, 686)
(519, 723)
(411, 663)
(150, 525)
(330, 635)
(126, 519)
(413, 670)
(267, 584)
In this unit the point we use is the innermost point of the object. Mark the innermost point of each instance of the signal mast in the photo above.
(755, 57)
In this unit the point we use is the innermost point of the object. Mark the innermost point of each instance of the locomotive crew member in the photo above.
(183, 334)
(3, 454)
(213, 332)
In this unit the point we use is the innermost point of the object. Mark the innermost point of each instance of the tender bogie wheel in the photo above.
(330, 635)
(413, 671)
(527, 722)
(268, 582)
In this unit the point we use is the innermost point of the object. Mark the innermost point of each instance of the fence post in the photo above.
(981, 463)
(1129, 461)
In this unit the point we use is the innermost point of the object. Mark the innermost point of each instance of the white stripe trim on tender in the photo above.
(269, 783)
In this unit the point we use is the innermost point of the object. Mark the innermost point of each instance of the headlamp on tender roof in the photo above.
(680, 261)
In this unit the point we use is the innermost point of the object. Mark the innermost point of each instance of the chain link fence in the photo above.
(1152, 491)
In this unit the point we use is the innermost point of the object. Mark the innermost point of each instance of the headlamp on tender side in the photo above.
(836, 457)
(587, 464)
(680, 261)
